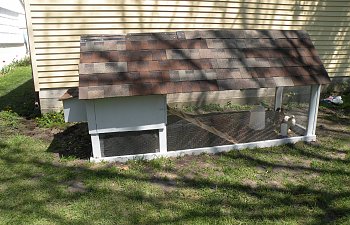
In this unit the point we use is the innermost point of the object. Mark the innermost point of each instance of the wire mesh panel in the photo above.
(182, 134)
(214, 125)
(188, 131)
(215, 129)
(296, 104)
(129, 143)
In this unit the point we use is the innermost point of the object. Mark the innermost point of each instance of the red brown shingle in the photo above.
(196, 61)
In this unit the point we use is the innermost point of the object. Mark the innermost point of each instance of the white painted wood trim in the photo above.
(31, 45)
(91, 117)
(165, 100)
(313, 109)
(125, 129)
(208, 150)
(278, 97)
(96, 146)
(163, 148)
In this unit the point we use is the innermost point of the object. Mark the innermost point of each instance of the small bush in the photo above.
(15, 63)
(52, 119)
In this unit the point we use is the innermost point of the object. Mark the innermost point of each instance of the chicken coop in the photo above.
(124, 81)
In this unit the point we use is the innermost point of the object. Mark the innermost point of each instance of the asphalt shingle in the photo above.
(196, 61)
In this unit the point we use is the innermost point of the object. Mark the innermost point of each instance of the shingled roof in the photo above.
(196, 61)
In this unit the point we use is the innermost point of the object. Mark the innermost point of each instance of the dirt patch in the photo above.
(300, 162)
(122, 166)
(331, 122)
(167, 181)
(337, 155)
(76, 186)
(198, 160)
(275, 184)
(250, 183)
(31, 129)
(167, 175)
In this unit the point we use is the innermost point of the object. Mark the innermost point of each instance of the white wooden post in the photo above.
(313, 109)
(278, 97)
(96, 146)
(163, 148)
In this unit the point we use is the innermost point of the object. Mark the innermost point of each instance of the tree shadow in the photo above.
(216, 198)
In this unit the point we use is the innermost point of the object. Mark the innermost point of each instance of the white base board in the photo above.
(208, 150)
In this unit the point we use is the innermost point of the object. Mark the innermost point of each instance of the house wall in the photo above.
(12, 28)
(55, 27)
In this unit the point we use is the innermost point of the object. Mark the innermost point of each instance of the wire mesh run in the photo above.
(216, 125)
(233, 126)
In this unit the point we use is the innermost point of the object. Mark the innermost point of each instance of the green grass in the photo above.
(9, 119)
(16, 91)
(288, 185)
(291, 184)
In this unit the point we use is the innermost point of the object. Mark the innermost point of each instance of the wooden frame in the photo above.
(208, 150)
(278, 97)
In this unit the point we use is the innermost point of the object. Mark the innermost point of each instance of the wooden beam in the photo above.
(96, 146)
(202, 125)
(278, 97)
(313, 109)
(163, 140)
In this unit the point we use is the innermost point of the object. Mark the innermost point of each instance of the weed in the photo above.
(295, 105)
(8, 118)
(161, 163)
(67, 158)
(52, 119)
(14, 64)
(237, 107)
(214, 107)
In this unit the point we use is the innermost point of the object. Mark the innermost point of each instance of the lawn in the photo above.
(291, 184)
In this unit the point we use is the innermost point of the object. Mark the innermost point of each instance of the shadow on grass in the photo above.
(73, 142)
(137, 198)
(20, 100)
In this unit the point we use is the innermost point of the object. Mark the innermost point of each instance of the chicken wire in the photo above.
(129, 143)
(296, 102)
(229, 128)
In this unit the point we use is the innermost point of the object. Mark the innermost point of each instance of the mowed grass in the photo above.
(17, 91)
(291, 184)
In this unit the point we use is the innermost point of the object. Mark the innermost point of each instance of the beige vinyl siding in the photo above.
(56, 26)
